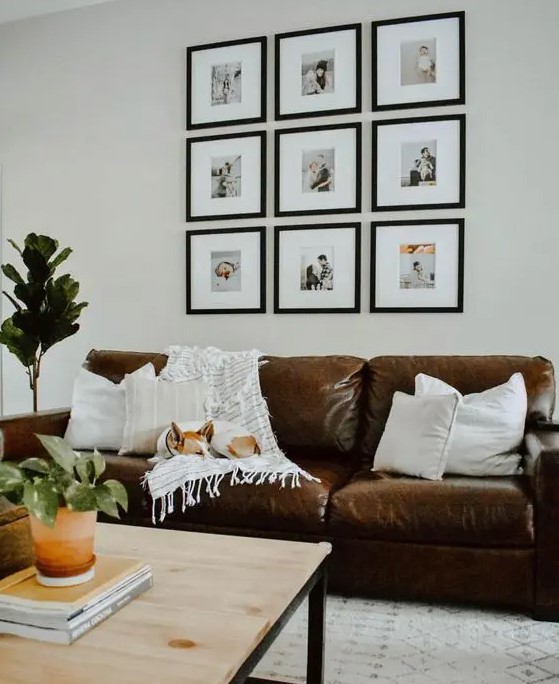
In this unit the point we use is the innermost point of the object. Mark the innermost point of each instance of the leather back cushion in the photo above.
(468, 374)
(115, 364)
(313, 401)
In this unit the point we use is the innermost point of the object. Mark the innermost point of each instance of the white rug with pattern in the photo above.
(408, 643)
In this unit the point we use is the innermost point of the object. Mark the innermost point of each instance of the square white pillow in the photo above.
(489, 426)
(417, 435)
(98, 410)
(151, 405)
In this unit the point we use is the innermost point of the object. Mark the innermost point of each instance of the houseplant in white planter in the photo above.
(62, 494)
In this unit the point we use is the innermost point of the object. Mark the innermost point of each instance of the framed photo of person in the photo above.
(226, 176)
(226, 83)
(419, 163)
(318, 170)
(226, 271)
(317, 268)
(419, 61)
(417, 266)
(318, 72)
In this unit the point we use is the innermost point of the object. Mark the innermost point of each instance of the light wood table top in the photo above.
(214, 598)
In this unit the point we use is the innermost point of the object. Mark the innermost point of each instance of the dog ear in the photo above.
(207, 430)
(176, 433)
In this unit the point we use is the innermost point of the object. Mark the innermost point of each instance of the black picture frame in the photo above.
(358, 107)
(261, 308)
(358, 171)
(278, 230)
(190, 51)
(226, 217)
(460, 204)
(459, 308)
(460, 100)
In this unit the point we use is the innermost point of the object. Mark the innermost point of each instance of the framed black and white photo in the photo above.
(317, 268)
(226, 176)
(318, 170)
(419, 61)
(226, 83)
(318, 72)
(226, 271)
(417, 266)
(419, 163)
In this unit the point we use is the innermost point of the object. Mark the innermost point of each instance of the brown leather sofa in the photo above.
(488, 540)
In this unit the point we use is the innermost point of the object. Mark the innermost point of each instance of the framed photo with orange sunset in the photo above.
(417, 266)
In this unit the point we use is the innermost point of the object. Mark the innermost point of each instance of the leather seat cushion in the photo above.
(263, 507)
(485, 512)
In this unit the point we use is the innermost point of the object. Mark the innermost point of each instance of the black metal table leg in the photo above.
(315, 636)
(315, 589)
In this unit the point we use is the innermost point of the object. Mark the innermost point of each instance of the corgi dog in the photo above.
(185, 440)
(214, 438)
(232, 441)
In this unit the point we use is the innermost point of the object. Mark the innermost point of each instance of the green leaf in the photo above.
(57, 333)
(15, 246)
(81, 497)
(11, 477)
(10, 272)
(43, 244)
(18, 343)
(16, 305)
(60, 451)
(85, 469)
(36, 465)
(105, 500)
(118, 491)
(32, 295)
(98, 463)
(61, 256)
(41, 500)
(74, 310)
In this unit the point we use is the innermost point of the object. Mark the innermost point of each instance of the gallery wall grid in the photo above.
(417, 163)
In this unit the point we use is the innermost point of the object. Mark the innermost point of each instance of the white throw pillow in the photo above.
(417, 435)
(489, 426)
(98, 410)
(151, 406)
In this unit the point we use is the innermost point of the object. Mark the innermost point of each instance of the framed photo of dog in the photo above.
(318, 170)
(317, 268)
(226, 271)
(419, 163)
(318, 72)
(419, 61)
(226, 83)
(417, 266)
(226, 176)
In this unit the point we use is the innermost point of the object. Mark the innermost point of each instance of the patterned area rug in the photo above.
(409, 643)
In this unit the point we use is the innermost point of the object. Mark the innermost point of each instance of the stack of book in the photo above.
(62, 615)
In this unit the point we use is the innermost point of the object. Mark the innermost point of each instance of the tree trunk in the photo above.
(35, 371)
(35, 394)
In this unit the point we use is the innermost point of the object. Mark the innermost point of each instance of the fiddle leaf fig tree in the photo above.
(45, 308)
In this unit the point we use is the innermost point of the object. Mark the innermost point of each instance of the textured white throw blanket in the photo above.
(234, 395)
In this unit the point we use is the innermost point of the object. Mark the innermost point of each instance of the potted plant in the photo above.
(45, 310)
(62, 494)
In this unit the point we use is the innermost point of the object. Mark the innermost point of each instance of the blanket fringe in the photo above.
(191, 491)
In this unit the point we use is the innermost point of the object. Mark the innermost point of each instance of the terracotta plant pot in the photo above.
(64, 553)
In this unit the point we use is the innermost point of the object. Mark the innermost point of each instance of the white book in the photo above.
(82, 623)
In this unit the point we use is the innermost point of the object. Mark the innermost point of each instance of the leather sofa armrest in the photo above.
(542, 463)
(19, 431)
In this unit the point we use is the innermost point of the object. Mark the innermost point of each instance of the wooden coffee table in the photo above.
(217, 604)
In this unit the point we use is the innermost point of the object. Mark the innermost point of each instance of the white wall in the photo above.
(92, 109)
